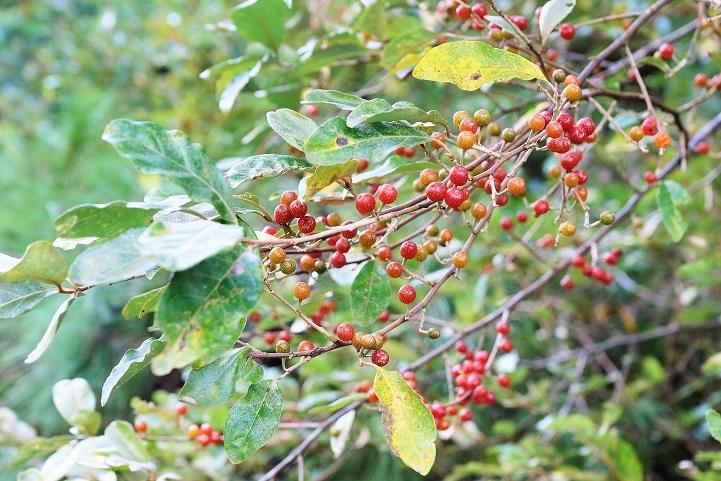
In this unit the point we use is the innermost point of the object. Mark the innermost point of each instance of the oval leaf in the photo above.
(713, 419)
(75, 402)
(19, 297)
(407, 422)
(102, 220)
(132, 362)
(265, 166)
(469, 65)
(370, 293)
(172, 155)
(51, 330)
(40, 262)
(553, 13)
(129, 445)
(178, 247)
(111, 261)
(203, 310)
(262, 21)
(323, 177)
(672, 218)
(252, 421)
(142, 304)
(335, 143)
(292, 127)
(214, 383)
(338, 99)
(378, 110)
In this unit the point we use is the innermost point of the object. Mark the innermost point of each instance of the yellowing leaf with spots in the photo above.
(336, 143)
(407, 422)
(469, 65)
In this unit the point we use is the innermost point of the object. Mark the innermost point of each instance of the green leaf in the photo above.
(262, 21)
(180, 246)
(395, 165)
(252, 421)
(38, 447)
(129, 445)
(623, 460)
(713, 419)
(370, 293)
(413, 42)
(407, 422)
(102, 220)
(172, 155)
(133, 361)
(19, 297)
(332, 97)
(51, 330)
(40, 262)
(323, 177)
(469, 65)
(325, 52)
(292, 127)
(214, 383)
(338, 404)
(110, 261)
(75, 402)
(231, 83)
(335, 143)
(373, 20)
(672, 218)
(679, 194)
(264, 166)
(142, 304)
(204, 308)
(378, 110)
(553, 13)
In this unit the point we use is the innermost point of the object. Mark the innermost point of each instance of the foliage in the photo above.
(603, 360)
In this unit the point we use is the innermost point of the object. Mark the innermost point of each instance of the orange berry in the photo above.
(459, 116)
(438, 141)
(517, 186)
(572, 92)
(301, 291)
(466, 139)
(446, 235)
(662, 140)
(536, 123)
(570, 79)
(568, 228)
(636, 133)
(460, 260)
(478, 211)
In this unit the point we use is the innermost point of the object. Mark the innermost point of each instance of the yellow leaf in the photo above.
(469, 65)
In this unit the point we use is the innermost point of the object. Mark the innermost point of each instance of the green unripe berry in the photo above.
(434, 333)
(482, 117)
(282, 347)
(442, 175)
(495, 35)
(607, 217)
(494, 129)
(559, 75)
(319, 266)
(465, 205)
(432, 230)
(287, 267)
(509, 135)
(418, 185)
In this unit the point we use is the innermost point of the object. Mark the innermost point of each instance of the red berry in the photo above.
(465, 415)
(141, 426)
(570, 160)
(502, 200)
(287, 197)
(385, 315)
(380, 357)
(504, 380)
(666, 51)
(305, 346)
(701, 80)
(181, 409)
(372, 397)
(560, 145)
(567, 283)
(650, 126)
(458, 175)
(588, 126)
(468, 125)
(520, 21)
(270, 230)
(567, 31)
(540, 207)
(566, 121)
(436, 191)
(702, 148)
(342, 245)
(650, 177)
(582, 176)
(409, 249)
(365, 203)
(350, 233)
(216, 437)
(506, 223)
(503, 328)
(285, 336)
(298, 209)
(610, 259)
(313, 110)
(306, 224)
(394, 270)
(454, 197)
(206, 429)
(345, 332)
(387, 194)
(461, 347)
(203, 439)
(282, 214)
(490, 183)
(269, 337)
(407, 294)
(337, 259)
(479, 9)
(522, 216)
(506, 346)
(578, 261)
(577, 134)
(463, 11)
(554, 129)
(385, 254)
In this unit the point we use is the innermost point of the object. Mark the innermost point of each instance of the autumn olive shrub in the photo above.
(389, 206)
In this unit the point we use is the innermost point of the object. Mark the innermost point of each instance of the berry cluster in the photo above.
(204, 434)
